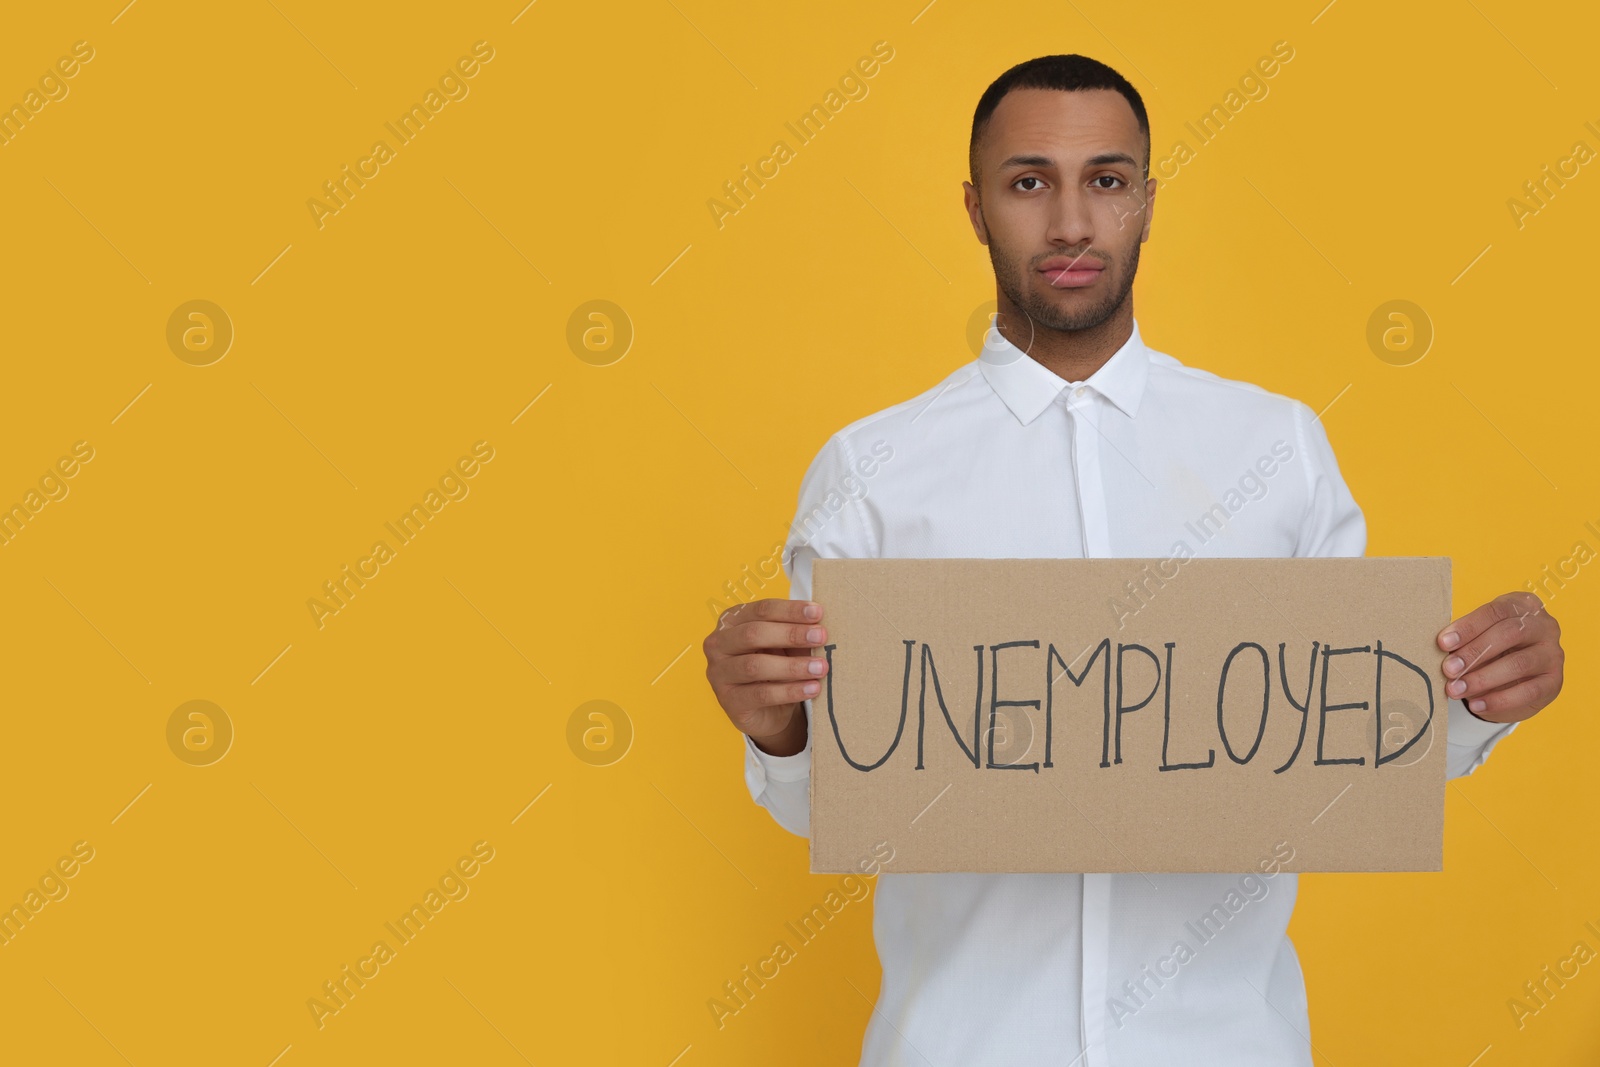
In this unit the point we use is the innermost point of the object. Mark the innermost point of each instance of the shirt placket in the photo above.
(1084, 409)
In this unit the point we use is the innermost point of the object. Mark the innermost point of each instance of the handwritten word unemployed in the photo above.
(1114, 698)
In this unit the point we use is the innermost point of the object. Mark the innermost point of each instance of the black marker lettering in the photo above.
(1266, 691)
(938, 694)
(1377, 704)
(905, 690)
(1123, 709)
(1305, 708)
(1325, 707)
(995, 702)
(1166, 727)
(1050, 660)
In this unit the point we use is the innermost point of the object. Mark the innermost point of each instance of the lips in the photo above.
(1071, 272)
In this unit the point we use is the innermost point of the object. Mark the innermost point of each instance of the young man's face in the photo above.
(1062, 183)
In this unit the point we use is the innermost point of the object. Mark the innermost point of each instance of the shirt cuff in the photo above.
(1467, 729)
(761, 767)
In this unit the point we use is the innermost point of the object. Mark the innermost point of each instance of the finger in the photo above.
(1510, 666)
(1516, 702)
(771, 609)
(753, 636)
(1502, 637)
(762, 667)
(744, 699)
(1460, 631)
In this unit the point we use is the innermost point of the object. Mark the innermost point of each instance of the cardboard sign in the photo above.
(1019, 715)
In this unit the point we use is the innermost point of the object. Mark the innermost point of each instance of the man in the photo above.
(1070, 437)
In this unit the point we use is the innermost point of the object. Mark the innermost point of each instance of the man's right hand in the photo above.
(759, 664)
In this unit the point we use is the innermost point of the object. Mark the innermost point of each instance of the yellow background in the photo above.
(429, 312)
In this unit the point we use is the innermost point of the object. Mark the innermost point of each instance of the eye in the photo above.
(1027, 178)
(1103, 177)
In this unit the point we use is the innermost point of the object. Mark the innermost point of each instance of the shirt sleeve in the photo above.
(830, 521)
(1471, 739)
(1334, 526)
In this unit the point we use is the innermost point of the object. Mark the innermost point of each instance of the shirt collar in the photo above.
(1028, 386)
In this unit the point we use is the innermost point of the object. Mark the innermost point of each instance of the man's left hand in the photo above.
(1504, 659)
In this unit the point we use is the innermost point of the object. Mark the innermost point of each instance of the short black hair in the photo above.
(1067, 73)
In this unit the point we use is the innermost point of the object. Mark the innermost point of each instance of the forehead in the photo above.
(1067, 126)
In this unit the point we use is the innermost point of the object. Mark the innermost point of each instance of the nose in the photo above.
(1070, 223)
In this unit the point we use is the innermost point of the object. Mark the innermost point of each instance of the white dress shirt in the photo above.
(1003, 458)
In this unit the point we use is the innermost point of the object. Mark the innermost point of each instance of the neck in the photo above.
(1070, 354)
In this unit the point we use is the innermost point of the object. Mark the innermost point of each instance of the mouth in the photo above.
(1075, 272)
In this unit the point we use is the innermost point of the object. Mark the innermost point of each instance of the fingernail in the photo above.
(1453, 665)
(816, 666)
(1450, 639)
(1456, 687)
(1475, 705)
(811, 688)
(813, 611)
(814, 634)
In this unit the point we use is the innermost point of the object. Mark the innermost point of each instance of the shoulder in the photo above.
(1232, 408)
(1237, 416)
(1169, 376)
(916, 417)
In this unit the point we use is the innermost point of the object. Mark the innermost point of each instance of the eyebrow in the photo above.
(1045, 161)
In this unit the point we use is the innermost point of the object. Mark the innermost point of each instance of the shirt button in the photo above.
(1078, 391)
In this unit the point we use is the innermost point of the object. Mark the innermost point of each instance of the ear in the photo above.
(1149, 208)
(974, 208)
